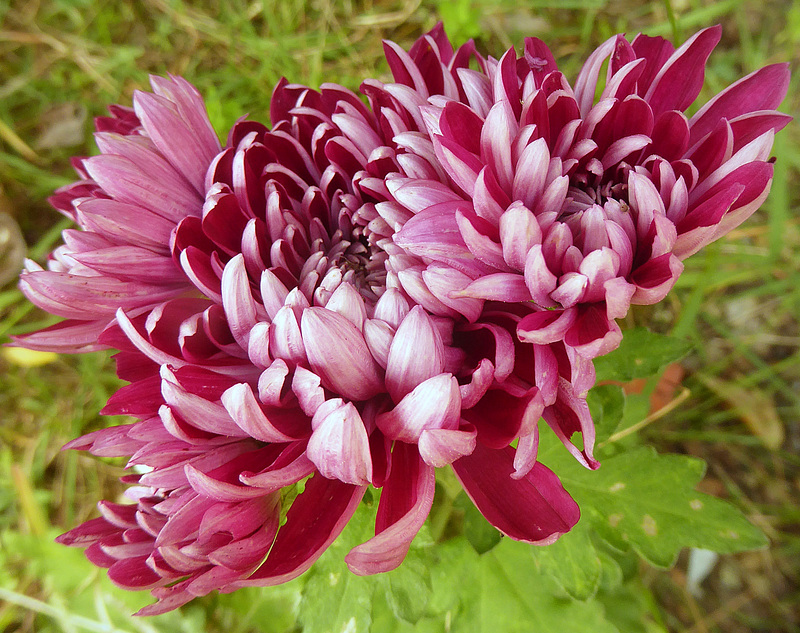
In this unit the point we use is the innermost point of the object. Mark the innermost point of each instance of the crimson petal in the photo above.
(405, 502)
(308, 530)
(534, 509)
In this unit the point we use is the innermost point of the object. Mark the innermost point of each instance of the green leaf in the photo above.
(481, 534)
(632, 608)
(512, 596)
(612, 574)
(573, 562)
(501, 590)
(265, 609)
(407, 588)
(647, 501)
(334, 599)
(607, 404)
(641, 354)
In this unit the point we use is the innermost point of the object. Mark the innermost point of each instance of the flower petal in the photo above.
(339, 354)
(534, 509)
(406, 367)
(440, 447)
(308, 530)
(405, 502)
(433, 404)
(339, 446)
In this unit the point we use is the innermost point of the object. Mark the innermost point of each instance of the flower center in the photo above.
(581, 198)
(361, 264)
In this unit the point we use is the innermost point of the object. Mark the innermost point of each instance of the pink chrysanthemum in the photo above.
(297, 361)
(569, 205)
(361, 295)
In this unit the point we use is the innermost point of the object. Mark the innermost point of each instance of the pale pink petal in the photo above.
(339, 355)
(440, 447)
(339, 446)
(433, 404)
(406, 367)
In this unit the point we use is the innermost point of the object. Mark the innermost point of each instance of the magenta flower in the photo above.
(289, 370)
(567, 206)
(361, 295)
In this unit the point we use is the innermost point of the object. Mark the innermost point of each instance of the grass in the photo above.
(61, 61)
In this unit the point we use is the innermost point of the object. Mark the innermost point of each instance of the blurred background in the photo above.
(734, 401)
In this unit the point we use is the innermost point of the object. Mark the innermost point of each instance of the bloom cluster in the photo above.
(370, 290)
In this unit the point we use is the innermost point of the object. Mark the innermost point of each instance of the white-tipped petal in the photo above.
(407, 367)
(339, 446)
(338, 353)
(433, 404)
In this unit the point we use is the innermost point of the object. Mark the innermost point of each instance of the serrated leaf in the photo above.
(647, 501)
(514, 597)
(641, 354)
(501, 590)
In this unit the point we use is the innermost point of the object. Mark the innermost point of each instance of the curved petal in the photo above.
(433, 404)
(316, 518)
(406, 367)
(268, 426)
(289, 467)
(592, 333)
(500, 417)
(405, 502)
(440, 447)
(237, 300)
(569, 415)
(763, 89)
(339, 354)
(548, 326)
(339, 445)
(679, 81)
(534, 508)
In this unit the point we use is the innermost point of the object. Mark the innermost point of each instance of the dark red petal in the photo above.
(535, 509)
(593, 334)
(133, 573)
(463, 125)
(141, 398)
(762, 90)
(679, 81)
(314, 521)
(89, 532)
(406, 500)
(656, 50)
(500, 417)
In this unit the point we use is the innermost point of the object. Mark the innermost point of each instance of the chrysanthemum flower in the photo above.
(297, 372)
(148, 177)
(570, 202)
(358, 296)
